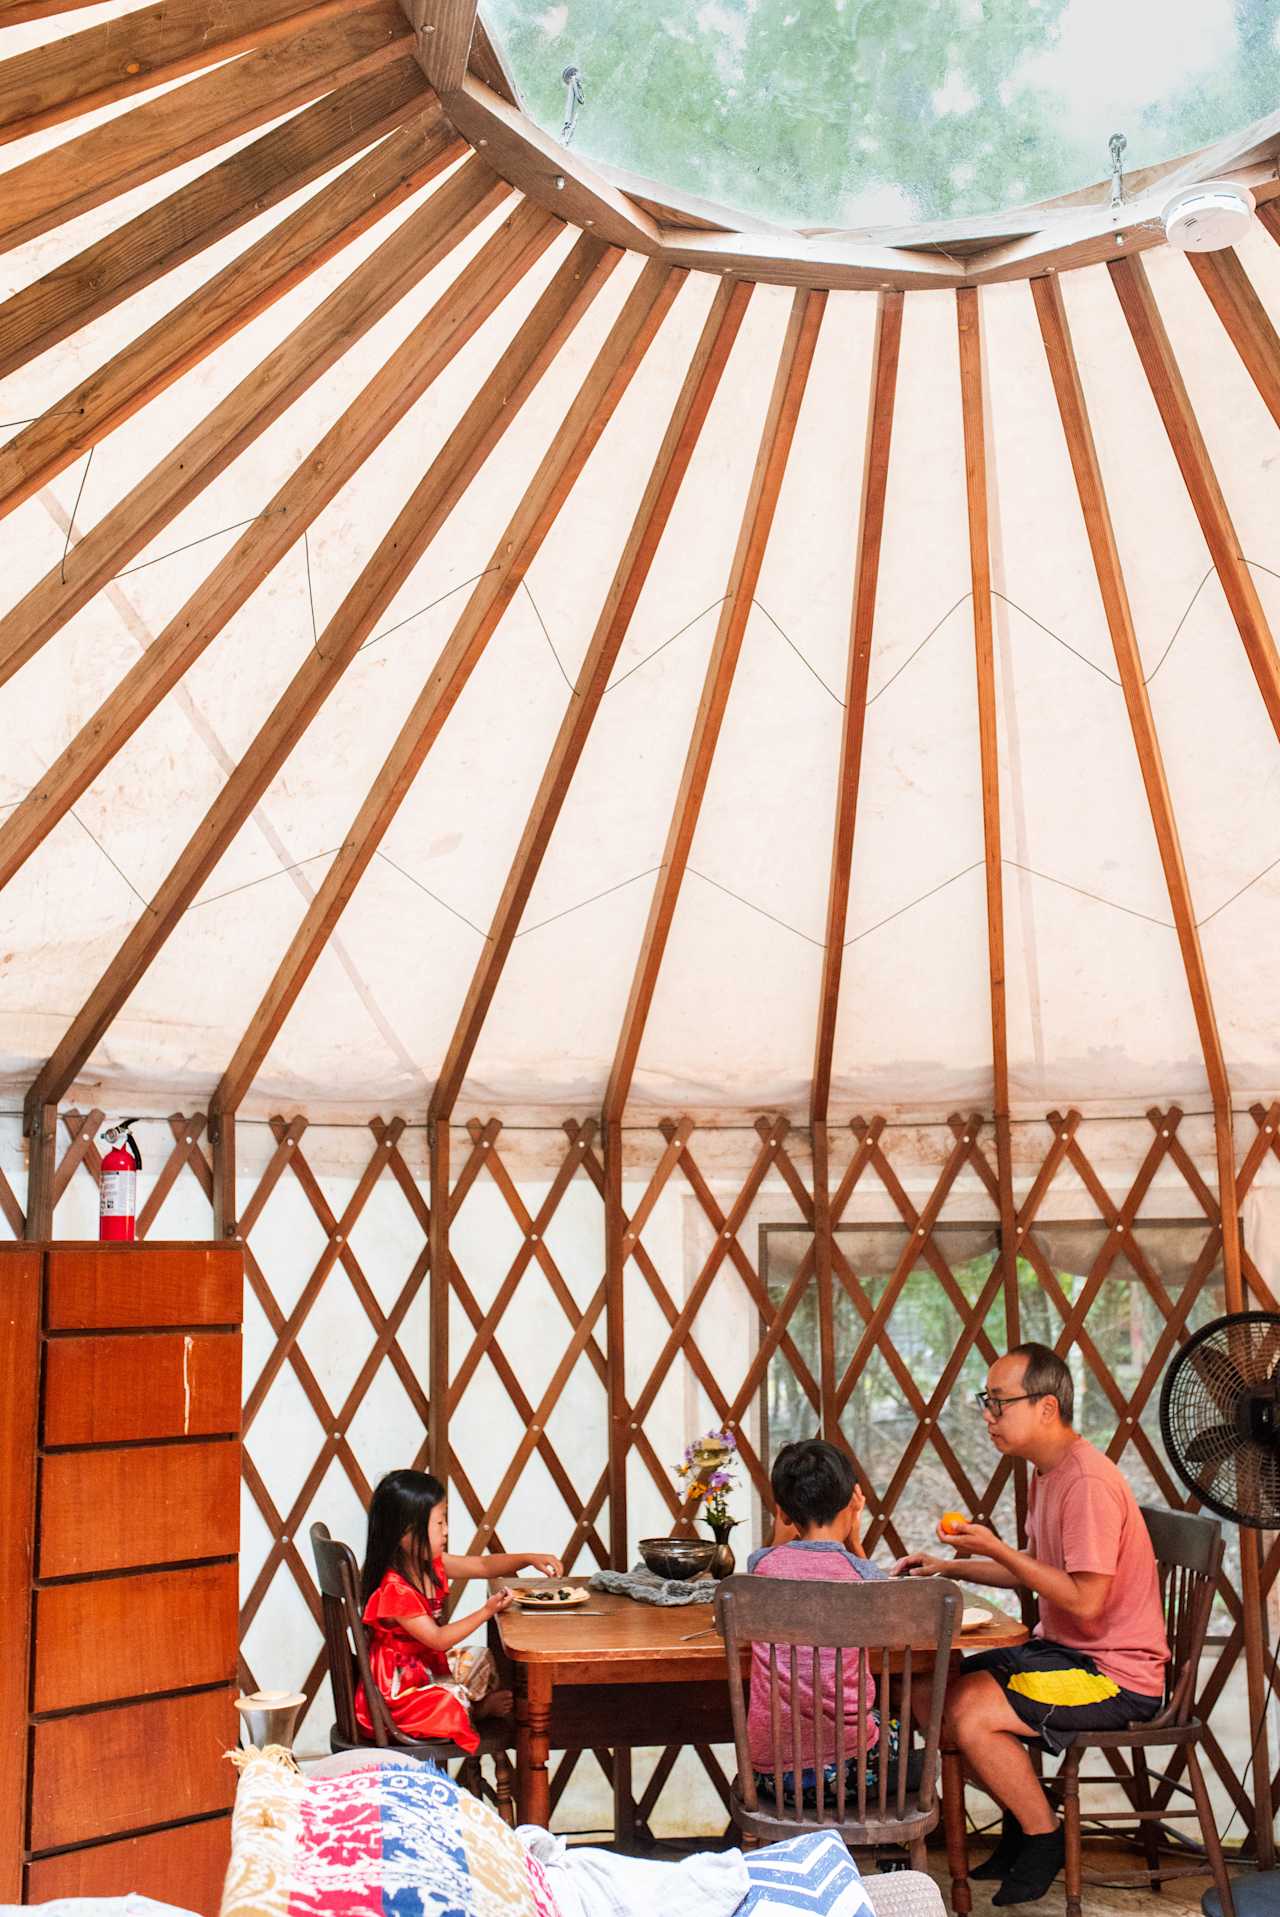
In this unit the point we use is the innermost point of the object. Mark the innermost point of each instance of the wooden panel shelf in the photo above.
(110, 1390)
(167, 1504)
(119, 1529)
(183, 1866)
(110, 1638)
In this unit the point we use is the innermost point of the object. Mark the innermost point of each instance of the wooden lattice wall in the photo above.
(611, 1336)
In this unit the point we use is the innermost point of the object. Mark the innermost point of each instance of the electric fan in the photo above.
(1220, 1421)
(1220, 1417)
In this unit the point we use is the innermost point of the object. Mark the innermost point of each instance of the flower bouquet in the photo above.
(708, 1472)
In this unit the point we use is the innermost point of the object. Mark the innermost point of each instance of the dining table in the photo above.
(613, 1673)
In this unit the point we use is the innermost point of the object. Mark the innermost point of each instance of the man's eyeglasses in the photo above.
(997, 1407)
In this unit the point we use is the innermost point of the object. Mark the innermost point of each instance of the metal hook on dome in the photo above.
(1116, 146)
(574, 97)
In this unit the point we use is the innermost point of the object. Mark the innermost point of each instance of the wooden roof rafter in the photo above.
(450, 473)
(309, 351)
(443, 31)
(598, 397)
(1248, 325)
(217, 203)
(396, 387)
(669, 469)
(372, 187)
(875, 479)
(1069, 392)
(973, 411)
(138, 50)
(1186, 440)
(778, 431)
(202, 114)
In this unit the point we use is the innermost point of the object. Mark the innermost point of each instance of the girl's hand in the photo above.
(542, 1561)
(499, 1602)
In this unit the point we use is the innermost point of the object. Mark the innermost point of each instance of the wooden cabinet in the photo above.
(119, 1528)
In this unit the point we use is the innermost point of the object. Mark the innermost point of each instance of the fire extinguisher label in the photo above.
(119, 1194)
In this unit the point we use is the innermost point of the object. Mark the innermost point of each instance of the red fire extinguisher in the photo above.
(118, 1193)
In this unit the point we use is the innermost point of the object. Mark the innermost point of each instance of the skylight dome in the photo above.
(888, 112)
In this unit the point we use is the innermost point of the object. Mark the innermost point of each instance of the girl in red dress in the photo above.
(431, 1688)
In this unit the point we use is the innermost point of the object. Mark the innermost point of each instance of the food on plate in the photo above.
(550, 1597)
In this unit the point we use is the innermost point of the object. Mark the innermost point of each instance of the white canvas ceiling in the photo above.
(1098, 1008)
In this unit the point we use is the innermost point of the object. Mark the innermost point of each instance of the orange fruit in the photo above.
(953, 1520)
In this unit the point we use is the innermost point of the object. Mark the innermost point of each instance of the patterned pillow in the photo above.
(380, 1842)
(810, 1873)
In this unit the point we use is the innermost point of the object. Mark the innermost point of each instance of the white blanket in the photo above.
(595, 1883)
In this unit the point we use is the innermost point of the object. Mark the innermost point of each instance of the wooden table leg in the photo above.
(624, 1804)
(533, 1745)
(953, 1824)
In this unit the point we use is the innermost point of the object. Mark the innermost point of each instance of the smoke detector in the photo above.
(1205, 218)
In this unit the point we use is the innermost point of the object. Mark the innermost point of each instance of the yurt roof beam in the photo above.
(762, 498)
(313, 483)
(204, 211)
(628, 340)
(418, 245)
(534, 161)
(973, 414)
(875, 476)
(669, 469)
(1232, 296)
(180, 125)
(371, 188)
(1187, 441)
(448, 477)
(139, 50)
(1069, 391)
(443, 31)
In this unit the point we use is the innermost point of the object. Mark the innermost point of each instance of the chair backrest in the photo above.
(902, 1628)
(346, 1646)
(1188, 1550)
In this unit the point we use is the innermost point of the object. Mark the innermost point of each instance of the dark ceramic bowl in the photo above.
(677, 1557)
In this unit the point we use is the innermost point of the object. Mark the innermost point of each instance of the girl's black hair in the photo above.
(402, 1501)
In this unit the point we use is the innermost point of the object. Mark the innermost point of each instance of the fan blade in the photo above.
(1219, 1374)
(1212, 1446)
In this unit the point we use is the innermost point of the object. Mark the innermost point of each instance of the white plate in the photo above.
(976, 1617)
(529, 1598)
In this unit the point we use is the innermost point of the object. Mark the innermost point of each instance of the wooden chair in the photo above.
(347, 1650)
(1188, 1552)
(887, 1625)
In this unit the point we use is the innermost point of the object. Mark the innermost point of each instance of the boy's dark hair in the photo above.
(812, 1482)
(1046, 1376)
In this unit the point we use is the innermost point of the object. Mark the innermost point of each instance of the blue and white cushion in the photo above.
(813, 1873)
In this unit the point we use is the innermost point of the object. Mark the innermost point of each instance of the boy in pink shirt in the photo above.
(1098, 1656)
(816, 1536)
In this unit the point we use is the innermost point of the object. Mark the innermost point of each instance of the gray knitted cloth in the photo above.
(643, 1585)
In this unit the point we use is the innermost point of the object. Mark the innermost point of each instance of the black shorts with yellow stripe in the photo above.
(1058, 1693)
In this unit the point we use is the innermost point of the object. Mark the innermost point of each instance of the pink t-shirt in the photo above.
(819, 1559)
(1082, 1516)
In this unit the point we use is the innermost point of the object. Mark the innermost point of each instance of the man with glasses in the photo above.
(1098, 1656)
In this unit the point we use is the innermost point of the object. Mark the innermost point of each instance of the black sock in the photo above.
(1001, 1858)
(1033, 1870)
